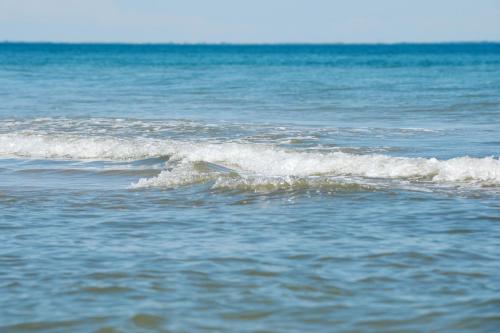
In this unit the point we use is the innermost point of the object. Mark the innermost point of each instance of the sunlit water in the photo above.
(249, 188)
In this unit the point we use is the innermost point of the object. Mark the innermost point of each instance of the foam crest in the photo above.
(188, 173)
(80, 148)
(185, 173)
(270, 161)
(251, 159)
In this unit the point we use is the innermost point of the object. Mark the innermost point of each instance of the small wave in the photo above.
(188, 173)
(184, 174)
(248, 160)
(274, 184)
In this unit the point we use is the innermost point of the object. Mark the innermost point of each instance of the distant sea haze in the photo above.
(280, 188)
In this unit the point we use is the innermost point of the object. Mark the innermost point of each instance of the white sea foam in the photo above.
(74, 147)
(185, 173)
(249, 159)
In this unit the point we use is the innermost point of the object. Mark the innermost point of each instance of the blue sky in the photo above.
(250, 21)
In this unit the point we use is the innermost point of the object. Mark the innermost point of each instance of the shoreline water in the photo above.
(281, 188)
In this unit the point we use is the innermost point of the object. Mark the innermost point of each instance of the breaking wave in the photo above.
(264, 164)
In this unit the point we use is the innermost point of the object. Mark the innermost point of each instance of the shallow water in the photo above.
(249, 188)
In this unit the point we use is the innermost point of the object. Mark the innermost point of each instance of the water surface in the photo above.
(276, 188)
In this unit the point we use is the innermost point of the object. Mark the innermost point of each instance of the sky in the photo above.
(250, 21)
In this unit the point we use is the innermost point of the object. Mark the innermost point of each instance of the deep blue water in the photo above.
(249, 188)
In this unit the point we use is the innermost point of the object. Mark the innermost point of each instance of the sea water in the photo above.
(257, 188)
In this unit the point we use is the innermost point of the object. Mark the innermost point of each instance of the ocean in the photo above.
(249, 188)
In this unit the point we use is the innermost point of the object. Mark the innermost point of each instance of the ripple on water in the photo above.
(246, 315)
(40, 326)
(148, 321)
(108, 329)
(55, 325)
(106, 289)
(259, 273)
(108, 275)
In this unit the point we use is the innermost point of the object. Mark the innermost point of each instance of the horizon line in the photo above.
(6, 41)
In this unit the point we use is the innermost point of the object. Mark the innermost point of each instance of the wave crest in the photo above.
(249, 160)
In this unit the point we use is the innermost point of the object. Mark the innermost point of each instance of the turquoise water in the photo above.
(278, 188)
